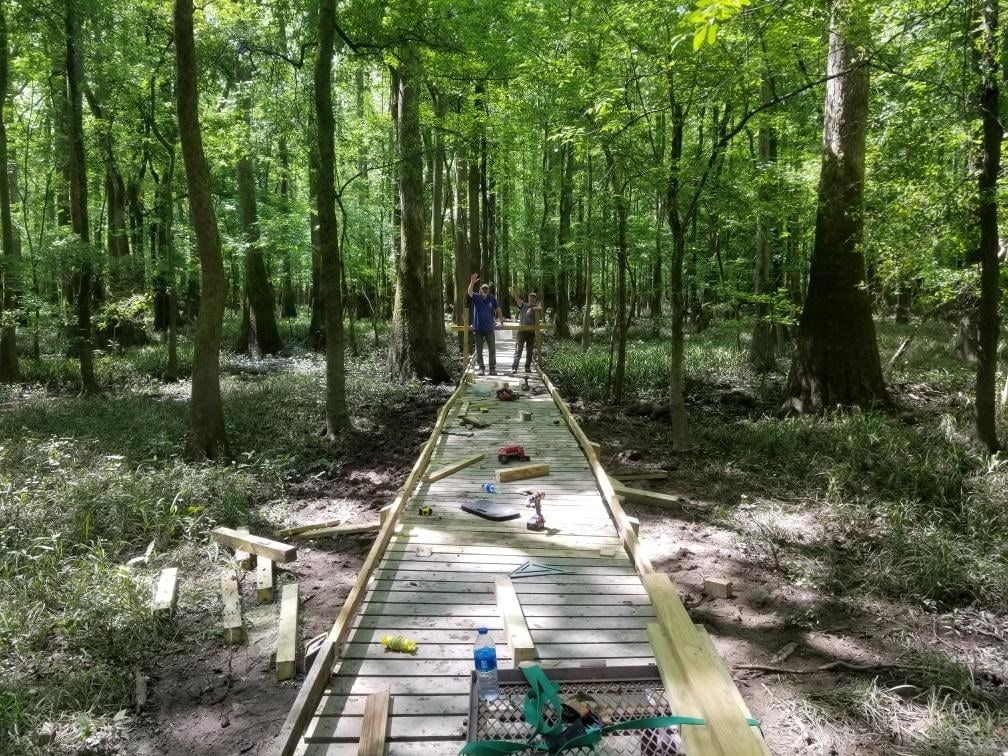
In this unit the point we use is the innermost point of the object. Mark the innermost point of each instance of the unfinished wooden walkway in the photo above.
(432, 578)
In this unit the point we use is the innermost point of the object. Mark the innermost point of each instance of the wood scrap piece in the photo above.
(279, 552)
(374, 725)
(519, 639)
(287, 634)
(785, 653)
(651, 498)
(451, 469)
(627, 477)
(360, 527)
(166, 593)
(264, 580)
(242, 557)
(234, 631)
(287, 532)
(718, 587)
(521, 472)
(464, 409)
(705, 687)
(139, 688)
(473, 421)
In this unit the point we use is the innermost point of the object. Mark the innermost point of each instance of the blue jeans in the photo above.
(488, 337)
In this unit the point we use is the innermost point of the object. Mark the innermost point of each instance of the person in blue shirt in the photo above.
(484, 311)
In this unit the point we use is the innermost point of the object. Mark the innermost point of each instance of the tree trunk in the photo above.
(411, 344)
(437, 227)
(288, 299)
(762, 350)
(316, 326)
(836, 360)
(337, 417)
(208, 435)
(679, 424)
(462, 265)
(620, 327)
(589, 243)
(260, 334)
(561, 328)
(83, 279)
(9, 369)
(988, 320)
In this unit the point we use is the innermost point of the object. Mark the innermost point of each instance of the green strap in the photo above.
(494, 747)
(542, 691)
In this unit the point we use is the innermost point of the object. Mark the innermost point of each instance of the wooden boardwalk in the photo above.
(434, 580)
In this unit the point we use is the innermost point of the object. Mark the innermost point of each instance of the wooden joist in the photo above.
(447, 470)
(166, 593)
(287, 532)
(286, 652)
(279, 552)
(699, 684)
(264, 580)
(522, 472)
(338, 530)
(516, 630)
(651, 498)
(375, 725)
(234, 630)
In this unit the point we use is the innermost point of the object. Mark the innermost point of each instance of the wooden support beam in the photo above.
(286, 652)
(464, 409)
(521, 472)
(361, 527)
(596, 448)
(384, 513)
(374, 725)
(634, 525)
(287, 532)
(166, 593)
(242, 557)
(451, 469)
(651, 498)
(234, 630)
(264, 580)
(519, 639)
(704, 684)
(279, 552)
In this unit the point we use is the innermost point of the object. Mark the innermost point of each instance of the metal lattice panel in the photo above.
(615, 694)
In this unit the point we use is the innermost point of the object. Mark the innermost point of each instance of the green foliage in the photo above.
(707, 15)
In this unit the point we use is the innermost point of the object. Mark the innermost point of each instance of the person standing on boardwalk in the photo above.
(529, 315)
(484, 311)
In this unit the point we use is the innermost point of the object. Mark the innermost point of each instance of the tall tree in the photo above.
(259, 333)
(990, 164)
(84, 277)
(411, 343)
(209, 438)
(9, 369)
(836, 360)
(331, 263)
(762, 349)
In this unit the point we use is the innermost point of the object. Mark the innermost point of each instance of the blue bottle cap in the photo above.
(482, 631)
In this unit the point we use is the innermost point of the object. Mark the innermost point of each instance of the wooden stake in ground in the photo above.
(166, 594)
(264, 580)
(287, 635)
(234, 631)
(241, 556)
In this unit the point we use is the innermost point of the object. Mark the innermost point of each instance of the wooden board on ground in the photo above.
(166, 593)
(444, 472)
(516, 631)
(279, 552)
(234, 630)
(521, 472)
(338, 530)
(651, 498)
(372, 735)
(287, 532)
(286, 652)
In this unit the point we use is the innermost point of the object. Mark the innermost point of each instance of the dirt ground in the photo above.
(208, 698)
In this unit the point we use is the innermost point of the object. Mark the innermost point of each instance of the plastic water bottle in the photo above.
(490, 488)
(485, 655)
